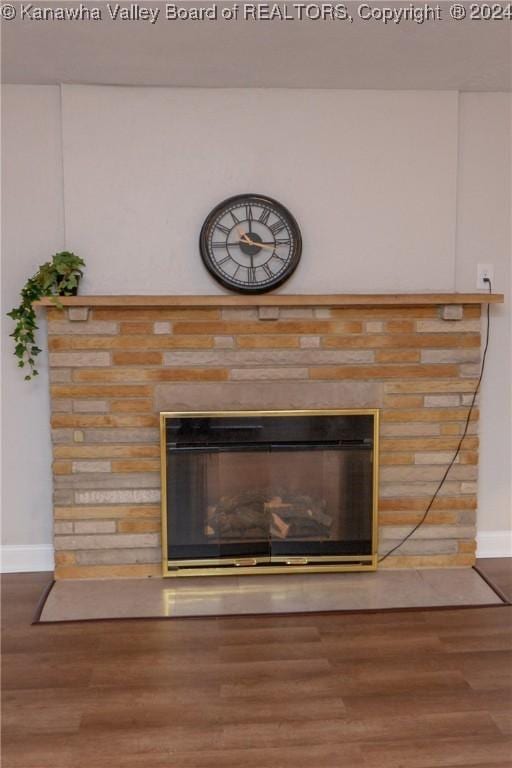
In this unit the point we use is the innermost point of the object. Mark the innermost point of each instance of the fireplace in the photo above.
(250, 492)
(117, 362)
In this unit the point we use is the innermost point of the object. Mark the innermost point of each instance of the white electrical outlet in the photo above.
(482, 271)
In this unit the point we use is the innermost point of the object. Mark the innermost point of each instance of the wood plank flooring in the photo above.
(498, 571)
(386, 690)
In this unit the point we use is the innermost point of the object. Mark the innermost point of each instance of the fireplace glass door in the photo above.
(257, 490)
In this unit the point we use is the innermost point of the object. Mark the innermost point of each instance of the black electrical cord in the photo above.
(464, 433)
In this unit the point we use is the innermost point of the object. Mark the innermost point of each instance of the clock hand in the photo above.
(248, 241)
(259, 245)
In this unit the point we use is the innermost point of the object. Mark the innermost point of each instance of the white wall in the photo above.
(393, 191)
(483, 235)
(32, 229)
(144, 166)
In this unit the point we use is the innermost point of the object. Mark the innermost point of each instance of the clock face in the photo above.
(250, 243)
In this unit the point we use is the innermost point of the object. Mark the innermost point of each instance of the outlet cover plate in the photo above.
(484, 270)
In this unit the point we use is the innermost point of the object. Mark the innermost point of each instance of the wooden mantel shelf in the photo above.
(282, 300)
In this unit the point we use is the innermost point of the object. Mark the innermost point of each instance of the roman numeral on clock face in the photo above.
(223, 261)
(222, 228)
(264, 215)
(267, 270)
(277, 227)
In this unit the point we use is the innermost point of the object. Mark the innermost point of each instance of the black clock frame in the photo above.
(257, 200)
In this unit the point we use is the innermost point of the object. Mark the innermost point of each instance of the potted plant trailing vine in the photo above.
(58, 277)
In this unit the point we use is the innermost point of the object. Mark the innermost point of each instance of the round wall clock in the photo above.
(250, 243)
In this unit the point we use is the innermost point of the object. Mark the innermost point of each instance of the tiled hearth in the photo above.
(114, 368)
(71, 600)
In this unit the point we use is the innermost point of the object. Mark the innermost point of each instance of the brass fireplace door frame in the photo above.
(248, 566)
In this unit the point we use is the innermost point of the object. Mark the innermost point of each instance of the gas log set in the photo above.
(257, 514)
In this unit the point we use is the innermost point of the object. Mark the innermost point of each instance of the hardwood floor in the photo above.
(387, 690)
(498, 570)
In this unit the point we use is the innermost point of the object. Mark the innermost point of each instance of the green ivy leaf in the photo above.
(53, 278)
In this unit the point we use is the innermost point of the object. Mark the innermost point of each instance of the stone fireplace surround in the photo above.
(117, 361)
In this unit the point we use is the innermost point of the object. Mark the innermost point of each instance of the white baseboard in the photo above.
(19, 558)
(494, 543)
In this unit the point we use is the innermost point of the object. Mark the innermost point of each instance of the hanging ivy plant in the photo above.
(58, 277)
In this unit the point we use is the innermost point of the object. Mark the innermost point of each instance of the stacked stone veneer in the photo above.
(112, 371)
